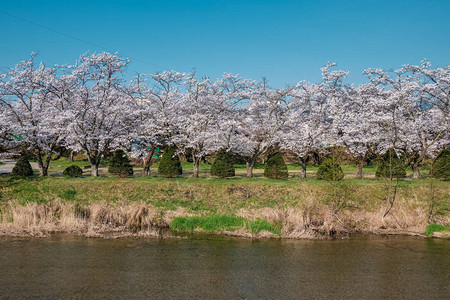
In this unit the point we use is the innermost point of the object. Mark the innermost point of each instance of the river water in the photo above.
(215, 267)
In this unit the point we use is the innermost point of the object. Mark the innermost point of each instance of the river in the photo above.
(363, 267)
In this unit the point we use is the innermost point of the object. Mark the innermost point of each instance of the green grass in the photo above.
(209, 196)
(68, 195)
(218, 223)
(197, 194)
(433, 227)
(214, 204)
(58, 166)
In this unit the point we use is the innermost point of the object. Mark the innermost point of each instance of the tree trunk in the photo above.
(250, 163)
(94, 170)
(42, 170)
(195, 163)
(359, 169)
(71, 156)
(249, 169)
(94, 160)
(43, 166)
(303, 170)
(148, 162)
(416, 171)
(146, 170)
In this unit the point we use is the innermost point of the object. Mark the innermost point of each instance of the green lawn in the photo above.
(58, 166)
(212, 195)
(214, 204)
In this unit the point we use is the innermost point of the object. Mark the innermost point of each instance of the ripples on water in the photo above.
(215, 267)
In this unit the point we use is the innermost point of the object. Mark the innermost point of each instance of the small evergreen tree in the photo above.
(120, 165)
(330, 170)
(276, 167)
(73, 171)
(170, 165)
(391, 166)
(441, 165)
(22, 168)
(222, 166)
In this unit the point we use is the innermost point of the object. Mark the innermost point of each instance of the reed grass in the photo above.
(292, 208)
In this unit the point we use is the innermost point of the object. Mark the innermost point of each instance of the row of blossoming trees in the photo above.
(90, 107)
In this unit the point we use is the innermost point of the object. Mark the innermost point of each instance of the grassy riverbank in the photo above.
(253, 207)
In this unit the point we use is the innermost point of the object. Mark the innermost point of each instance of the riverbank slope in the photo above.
(256, 207)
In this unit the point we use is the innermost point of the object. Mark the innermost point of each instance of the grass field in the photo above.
(58, 166)
(256, 206)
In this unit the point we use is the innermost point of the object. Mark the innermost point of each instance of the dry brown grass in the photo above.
(98, 219)
(146, 207)
(311, 220)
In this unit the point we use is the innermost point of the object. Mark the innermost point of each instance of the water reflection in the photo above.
(370, 268)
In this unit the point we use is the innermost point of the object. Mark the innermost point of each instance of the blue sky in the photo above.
(285, 41)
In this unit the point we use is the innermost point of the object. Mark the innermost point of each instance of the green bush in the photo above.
(276, 167)
(330, 170)
(120, 165)
(170, 165)
(73, 171)
(222, 166)
(441, 165)
(22, 168)
(391, 164)
(433, 227)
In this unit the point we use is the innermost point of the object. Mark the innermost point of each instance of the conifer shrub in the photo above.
(391, 165)
(120, 165)
(222, 165)
(330, 170)
(22, 168)
(276, 167)
(170, 165)
(441, 165)
(73, 171)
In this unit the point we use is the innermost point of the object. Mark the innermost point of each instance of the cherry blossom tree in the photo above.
(428, 113)
(390, 111)
(202, 105)
(411, 117)
(310, 125)
(262, 121)
(88, 106)
(358, 130)
(434, 85)
(235, 93)
(33, 98)
(158, 111)
(101, 116)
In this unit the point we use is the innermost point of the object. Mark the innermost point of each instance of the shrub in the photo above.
(276, 167)
(391, 164)
(170, 165)
(22, 168)
(222, 166)
(441, 165)
(120, 165)
(330, 170)
(433, 227)
(73, 171)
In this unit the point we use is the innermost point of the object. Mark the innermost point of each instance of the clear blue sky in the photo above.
(285, 41)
